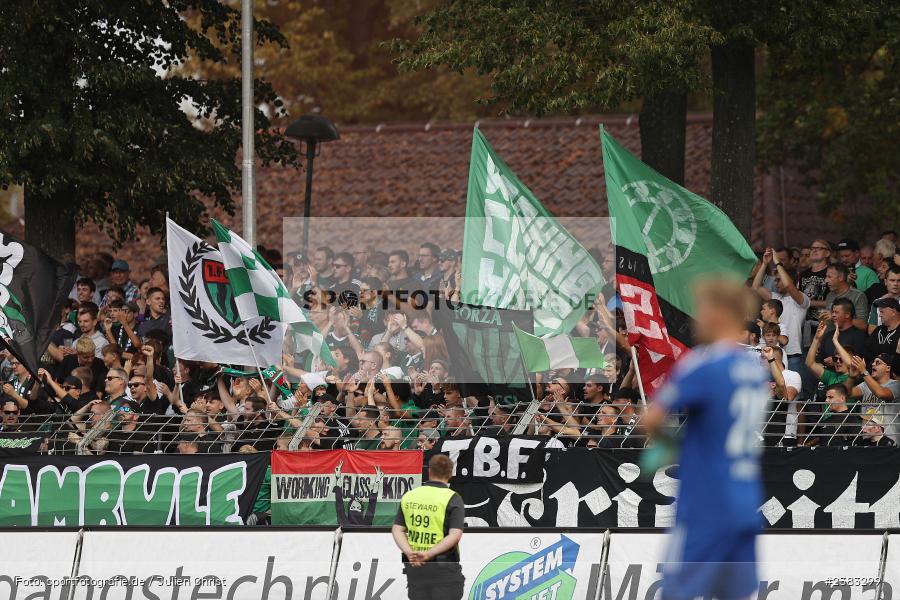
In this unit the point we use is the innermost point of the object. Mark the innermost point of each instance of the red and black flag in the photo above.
(665, 238)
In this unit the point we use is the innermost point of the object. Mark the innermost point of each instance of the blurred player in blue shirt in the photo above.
(723, 390)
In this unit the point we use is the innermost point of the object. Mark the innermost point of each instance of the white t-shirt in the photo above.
(791, 321)
(792, 379)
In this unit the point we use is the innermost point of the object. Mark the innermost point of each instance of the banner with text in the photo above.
(510, 459)
(342, 487)
(148, 490)
(804, 488)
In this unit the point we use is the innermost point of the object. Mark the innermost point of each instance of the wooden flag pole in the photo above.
(637, 373)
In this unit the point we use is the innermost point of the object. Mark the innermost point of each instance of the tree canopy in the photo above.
(99, 124)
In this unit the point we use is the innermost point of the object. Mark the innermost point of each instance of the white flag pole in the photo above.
(262, 379)
(637, 373)
(174, 350)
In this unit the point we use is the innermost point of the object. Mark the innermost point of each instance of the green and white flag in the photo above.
(559, 352)
(258, 291)
(310, 344)
(516, 255)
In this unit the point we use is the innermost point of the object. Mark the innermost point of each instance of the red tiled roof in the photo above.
(422, 170)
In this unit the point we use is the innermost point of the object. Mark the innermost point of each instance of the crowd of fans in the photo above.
(110, 384)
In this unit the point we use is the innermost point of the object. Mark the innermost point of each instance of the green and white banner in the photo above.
(559, 352)
(148, 490)
(516, 255)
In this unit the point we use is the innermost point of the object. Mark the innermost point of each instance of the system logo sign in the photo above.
(544, 575)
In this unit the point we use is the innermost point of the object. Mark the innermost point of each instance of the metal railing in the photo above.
(312, 427)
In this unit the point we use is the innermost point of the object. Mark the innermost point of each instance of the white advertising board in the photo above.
(243, 564)
(36, 564)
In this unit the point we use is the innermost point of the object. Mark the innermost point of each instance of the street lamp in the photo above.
(314, 130)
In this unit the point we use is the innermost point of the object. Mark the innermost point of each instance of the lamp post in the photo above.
(314, 130)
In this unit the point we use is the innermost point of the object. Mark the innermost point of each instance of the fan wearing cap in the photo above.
(892, 290)
(120, 275)
(872, 431)
(875, 388)
(883, 339)
(861, 276)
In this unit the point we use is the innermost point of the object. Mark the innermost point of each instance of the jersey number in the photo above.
(742, 439)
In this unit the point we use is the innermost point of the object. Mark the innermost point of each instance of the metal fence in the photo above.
(319, 426)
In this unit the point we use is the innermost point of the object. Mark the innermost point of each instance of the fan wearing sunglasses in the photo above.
(72, 392)
(10, 420)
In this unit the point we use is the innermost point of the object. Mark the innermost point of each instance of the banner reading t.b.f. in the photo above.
(150, 490)
(342, 487)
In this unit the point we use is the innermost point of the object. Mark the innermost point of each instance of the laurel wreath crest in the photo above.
(258, 334)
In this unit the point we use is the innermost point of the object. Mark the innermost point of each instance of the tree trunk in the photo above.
(49, 224)
(734, 131)
(663, 122)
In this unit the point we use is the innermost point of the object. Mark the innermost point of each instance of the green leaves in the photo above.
(89, 110)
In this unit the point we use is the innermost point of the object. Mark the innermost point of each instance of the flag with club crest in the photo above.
(259, 292)
(206, 325)
(515, 253)
(666, 237)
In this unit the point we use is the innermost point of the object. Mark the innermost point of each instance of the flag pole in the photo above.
(174, 351)
(262, 378)
(637, 373)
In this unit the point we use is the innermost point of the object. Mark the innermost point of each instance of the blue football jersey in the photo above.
(724, 392)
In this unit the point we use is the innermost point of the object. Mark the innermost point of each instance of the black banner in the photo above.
(18, 444)
(148, 490)
(804, 488)
(518, 459)
(33, 290)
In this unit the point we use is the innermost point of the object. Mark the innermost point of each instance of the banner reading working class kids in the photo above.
(342, 487)
(147, 490)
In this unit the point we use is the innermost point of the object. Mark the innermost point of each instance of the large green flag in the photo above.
(516, 255)
(682, 235)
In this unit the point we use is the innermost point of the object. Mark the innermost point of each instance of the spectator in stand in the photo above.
(782, 427)
(813, 282)
(892, 290)
(877, 389)
(322, 267)
(502, 421)
(159, 278)
(85, 355)
(365, 428)
(344, 285)
(427, 274)
(602, 429)
(837, 425)
(10, 422)
(87, 325)
(86, 291)
(112, 356)
(842, 318)
(790, 310)
(803, 258)
(157, 318)
(143, 390)
(72, 392)
(120, 326)
(836, 371)
(128, 436)
(883, 257)
(361, 262)
(890, 234)
(860, 276)
(883, 339)
(457, 422)
(867, 257)
(368, 314)
(116, 381)
(21, 387)
(447, 283)
(120, 275)
(872, 431)
(255, 426)
(427, 439)
(839, 289)
(399, 279)
(391, 437)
